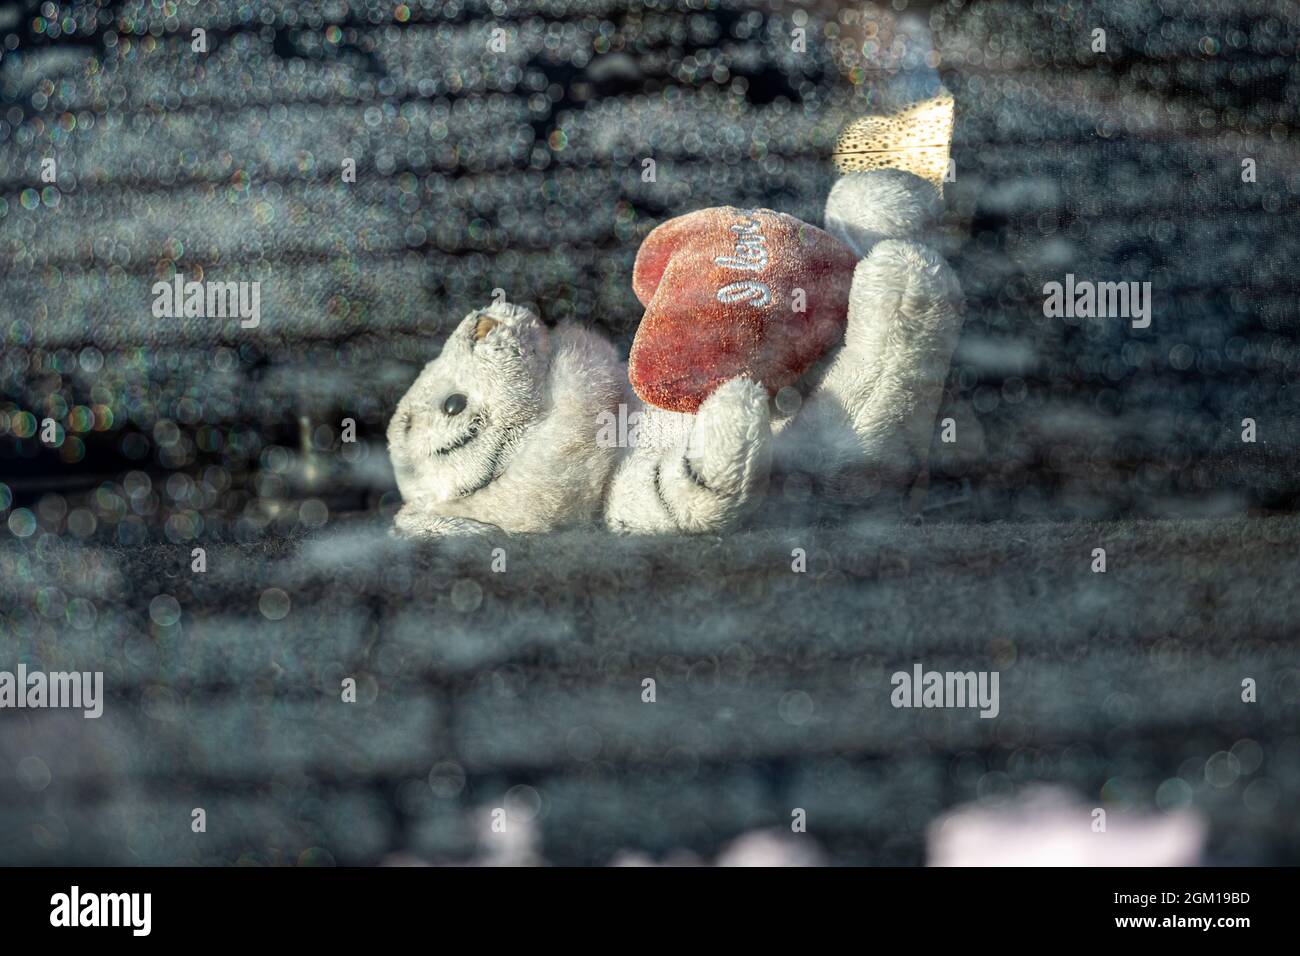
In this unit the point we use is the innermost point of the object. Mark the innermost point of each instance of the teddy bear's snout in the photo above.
(484, 325)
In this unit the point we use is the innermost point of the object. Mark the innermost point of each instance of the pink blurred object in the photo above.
(771, 848)
(1049, 827)
(755, 848)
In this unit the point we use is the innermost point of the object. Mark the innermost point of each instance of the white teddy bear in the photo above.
(501, 430)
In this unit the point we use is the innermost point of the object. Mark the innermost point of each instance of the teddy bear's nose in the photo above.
(454, 404)
(484, 326)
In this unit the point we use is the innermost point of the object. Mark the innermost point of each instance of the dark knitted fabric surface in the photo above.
(522, 170)
(772, 688)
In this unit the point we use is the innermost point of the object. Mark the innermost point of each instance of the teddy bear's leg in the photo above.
(872, 415)
(696, 474)
(868, 423)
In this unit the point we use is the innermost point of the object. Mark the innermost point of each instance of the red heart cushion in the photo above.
(720, 290)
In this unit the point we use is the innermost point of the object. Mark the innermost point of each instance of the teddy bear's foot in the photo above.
(866, 208)
(706, 480)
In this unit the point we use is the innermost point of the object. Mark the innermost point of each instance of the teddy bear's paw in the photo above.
(708, 479)
(732, 422)
(727, 455)
(413, 521)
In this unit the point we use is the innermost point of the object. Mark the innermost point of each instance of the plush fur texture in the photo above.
(523, 454)
(864, 209)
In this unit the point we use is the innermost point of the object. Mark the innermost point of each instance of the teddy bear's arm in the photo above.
(700, 476)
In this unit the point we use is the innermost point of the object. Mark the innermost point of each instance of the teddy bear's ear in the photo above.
(537, 310)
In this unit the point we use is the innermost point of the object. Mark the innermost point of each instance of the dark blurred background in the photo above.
(521, 170)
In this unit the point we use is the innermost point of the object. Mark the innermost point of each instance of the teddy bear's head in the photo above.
(455, 429)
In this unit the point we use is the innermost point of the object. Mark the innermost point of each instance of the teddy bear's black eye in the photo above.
(455, 404)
